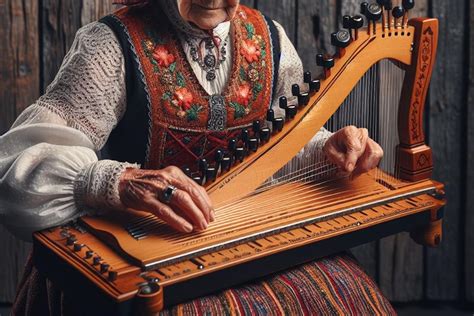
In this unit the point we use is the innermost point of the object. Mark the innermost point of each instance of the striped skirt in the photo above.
(335, 285)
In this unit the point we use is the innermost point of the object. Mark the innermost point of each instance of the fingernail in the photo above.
(188, 227)
(203, 225)
(213, 215)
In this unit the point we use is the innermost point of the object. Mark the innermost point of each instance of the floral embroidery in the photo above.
(250, 50)
(244, 93)
(163, 56)
(183, 98)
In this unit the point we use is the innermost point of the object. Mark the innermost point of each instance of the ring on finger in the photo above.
(167, 193)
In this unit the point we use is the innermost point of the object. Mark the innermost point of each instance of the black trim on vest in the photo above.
(276, 51)
(128, 142)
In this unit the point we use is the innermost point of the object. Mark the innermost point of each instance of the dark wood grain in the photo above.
(316, 22)
(469, 223)
(19, 87)
(446, 132)
(283, 12)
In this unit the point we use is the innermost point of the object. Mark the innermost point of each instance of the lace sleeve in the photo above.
(49, 169)
(89, 89)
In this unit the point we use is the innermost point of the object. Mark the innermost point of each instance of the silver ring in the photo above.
(167, 193)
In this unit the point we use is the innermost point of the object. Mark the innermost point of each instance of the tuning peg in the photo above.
(256, 126)
(397, 12)
(253, 144)
(270, 115)
(408, 4)
(388, 5)
(326, 62)
(341, 39)
(239, 153)
(373, 12)
(219, 155)
(225, 164)
(278, 124)
(347, 22)
(283, 102)
(363, 8)
(265, 134)
(211, 174)
(232, 145)
(245, 136)
(314, 84)
(203, 165)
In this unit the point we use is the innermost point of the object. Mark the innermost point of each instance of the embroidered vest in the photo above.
(170, 119)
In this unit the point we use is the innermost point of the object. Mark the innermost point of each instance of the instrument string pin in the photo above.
(397, 12)
(314, 84)
(407, 6)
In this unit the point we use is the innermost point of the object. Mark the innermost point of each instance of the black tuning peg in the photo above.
(211, 174)
(256, 126)
(303, 97)
(278, 124)
(219, 155)
(203, 165)
(373, 12)
(270, 115)
(239, 153)
(341, 39)
(324, 61)
(283, 102)
(398, 12)
(225, 164)
(244, 136)
(265, 134)
(232, 145)
(253, 144)
(388, 5)
(357, 22)
(347, 22)
(314, 84)
(408, 4)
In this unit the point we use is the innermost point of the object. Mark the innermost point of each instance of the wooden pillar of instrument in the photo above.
(414, 157)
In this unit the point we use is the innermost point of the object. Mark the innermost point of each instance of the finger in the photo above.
(334, 155)
(197, 192)
(357, 144)
(371, 158)
(165, 213)
(183, 201)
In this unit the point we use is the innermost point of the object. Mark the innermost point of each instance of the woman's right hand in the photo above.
(189, 208)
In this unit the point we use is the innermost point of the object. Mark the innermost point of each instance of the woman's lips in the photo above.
(207, 8)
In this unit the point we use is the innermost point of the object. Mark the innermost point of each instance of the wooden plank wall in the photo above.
(31, 56)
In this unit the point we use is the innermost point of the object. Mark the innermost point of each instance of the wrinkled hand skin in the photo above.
(190, 208)
(353, 151)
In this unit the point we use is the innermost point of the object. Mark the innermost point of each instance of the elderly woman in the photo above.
(163, 84)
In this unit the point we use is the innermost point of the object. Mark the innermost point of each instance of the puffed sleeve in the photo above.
(49, 167)
(291, 72)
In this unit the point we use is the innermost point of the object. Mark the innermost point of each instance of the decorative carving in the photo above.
(421, 84)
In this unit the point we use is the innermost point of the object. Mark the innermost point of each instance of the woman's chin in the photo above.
(209, 21)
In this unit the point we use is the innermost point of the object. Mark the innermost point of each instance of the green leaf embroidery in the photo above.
(239, 110)
(172, 67)
(250, 30)
(256, 90)
(167, 96)
(243, 75)
(193, 113)
(180, 81)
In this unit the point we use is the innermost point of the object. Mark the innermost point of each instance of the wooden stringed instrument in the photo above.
(267, 219)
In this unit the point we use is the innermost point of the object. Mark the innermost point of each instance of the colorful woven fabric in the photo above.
(335, 285)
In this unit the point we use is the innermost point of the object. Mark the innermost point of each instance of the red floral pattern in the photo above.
(244, 93)
(183, 98)
(163, 56)
(250, 50)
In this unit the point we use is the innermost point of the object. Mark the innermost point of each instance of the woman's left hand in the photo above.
(352, 150)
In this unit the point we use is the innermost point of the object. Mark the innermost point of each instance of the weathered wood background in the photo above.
(35, 35)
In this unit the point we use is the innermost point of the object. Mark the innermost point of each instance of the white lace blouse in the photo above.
(50, 172)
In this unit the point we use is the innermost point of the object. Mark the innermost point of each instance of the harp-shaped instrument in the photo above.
(268, 219)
